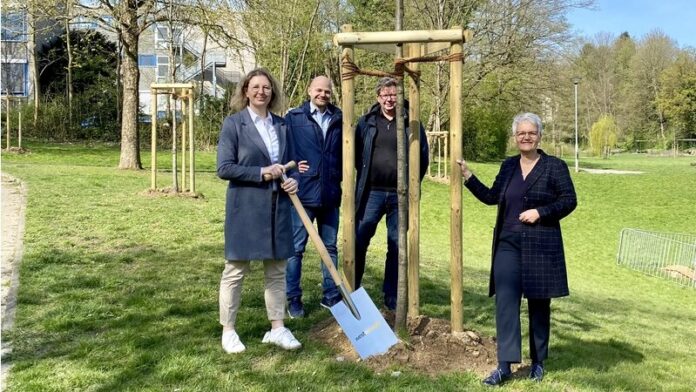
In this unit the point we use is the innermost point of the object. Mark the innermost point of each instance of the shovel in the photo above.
(367, 330)
(319, 244)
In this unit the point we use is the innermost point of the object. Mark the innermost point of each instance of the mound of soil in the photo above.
(169, 192)
(431, 349)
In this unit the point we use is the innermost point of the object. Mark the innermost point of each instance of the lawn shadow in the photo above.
(572, 352)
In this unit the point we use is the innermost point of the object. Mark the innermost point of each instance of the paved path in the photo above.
(14, 201)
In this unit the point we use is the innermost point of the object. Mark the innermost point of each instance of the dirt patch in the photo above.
(169, 192)
(16, 150)
(431, 348)
(610, 171)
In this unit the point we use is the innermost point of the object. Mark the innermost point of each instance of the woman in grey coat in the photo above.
(252, 148)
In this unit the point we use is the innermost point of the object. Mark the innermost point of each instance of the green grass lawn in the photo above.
(118, 290)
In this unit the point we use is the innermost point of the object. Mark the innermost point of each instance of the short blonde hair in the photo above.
(240, 101)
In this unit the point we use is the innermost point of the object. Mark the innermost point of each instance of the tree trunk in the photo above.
(33, 62)
(401, 189)
(70, 66)
(130, 137)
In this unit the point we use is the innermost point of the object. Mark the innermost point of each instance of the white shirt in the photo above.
(321, 118)
(268, 133)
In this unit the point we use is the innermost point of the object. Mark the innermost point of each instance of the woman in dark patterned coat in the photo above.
(533, 192)
(253, 145)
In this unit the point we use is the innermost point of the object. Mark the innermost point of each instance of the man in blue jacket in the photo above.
(315, 131)
(375, 195)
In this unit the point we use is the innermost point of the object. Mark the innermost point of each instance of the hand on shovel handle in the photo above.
(277, 170)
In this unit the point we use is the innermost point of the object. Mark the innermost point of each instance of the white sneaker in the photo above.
(282, 337)
(231, 343)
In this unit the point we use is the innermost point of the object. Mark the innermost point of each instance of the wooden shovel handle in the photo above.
(316, 239)
(287, 167)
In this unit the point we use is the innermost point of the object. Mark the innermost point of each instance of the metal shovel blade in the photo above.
(370, 334)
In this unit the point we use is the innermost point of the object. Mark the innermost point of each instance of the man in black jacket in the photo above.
(315, 131)
(376, 196)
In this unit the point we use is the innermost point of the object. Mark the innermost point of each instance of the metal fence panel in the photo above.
(667, 255)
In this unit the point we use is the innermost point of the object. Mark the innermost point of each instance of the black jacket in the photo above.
(365, 133)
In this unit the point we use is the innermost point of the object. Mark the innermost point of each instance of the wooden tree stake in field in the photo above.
(177, 92)
(376, 41)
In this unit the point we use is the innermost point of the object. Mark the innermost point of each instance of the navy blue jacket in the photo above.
(550, 190)
(365, 133)
(250, 233)
(320, 186)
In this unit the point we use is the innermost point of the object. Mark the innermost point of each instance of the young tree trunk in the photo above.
(33, 61)
(130, 138)
(401, 189)
(68, 44)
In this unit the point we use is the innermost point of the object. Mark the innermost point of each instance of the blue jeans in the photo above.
(327, 221)
(379, 203)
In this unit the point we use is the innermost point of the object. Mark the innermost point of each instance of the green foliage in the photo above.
(94, 81)
(209, 120)
(486, 132)
(678, 96)
(603, 136)
(94, 61)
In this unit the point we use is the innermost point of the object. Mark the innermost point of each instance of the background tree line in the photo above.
(632, 94)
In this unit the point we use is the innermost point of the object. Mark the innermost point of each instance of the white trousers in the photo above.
(231, 289)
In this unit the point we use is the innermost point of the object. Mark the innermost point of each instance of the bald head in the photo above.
(320, 92)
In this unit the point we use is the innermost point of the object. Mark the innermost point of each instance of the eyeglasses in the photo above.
(388, 96)
(266, 89)
(522, 135)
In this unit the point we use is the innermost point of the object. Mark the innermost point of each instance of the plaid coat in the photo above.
(550, 190)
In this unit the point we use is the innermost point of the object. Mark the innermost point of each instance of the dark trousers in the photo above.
(327, 223)
(507, 274)
(379, 204)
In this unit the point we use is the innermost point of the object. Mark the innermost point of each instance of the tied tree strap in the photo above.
(399, 66)
(453, 57)
(353, 69)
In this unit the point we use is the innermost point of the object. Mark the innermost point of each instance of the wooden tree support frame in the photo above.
(8, 122)
(417, 43)
(177, 92)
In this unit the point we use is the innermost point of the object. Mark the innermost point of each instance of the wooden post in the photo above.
(192, 164)
(401, 189)
(456, 189)
(19, 131)
(175, 184)
(399, 37)
(347, 99)
(7, 121)
(414, 141)
(184, 122)
(153, 139)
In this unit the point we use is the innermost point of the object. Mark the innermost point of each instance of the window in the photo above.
(85, 23)
(147, 60)
(162, 69)
(161, 37)
(14, 78)
(14, 27)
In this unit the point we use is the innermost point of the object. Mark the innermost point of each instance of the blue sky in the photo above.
(676, 18)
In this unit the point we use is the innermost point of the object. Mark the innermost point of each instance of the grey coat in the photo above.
(249, 230)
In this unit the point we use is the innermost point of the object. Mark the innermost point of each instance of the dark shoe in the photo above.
(496, 377)
(537, 372)
(330, 302)
(295, 308)
(390, 303)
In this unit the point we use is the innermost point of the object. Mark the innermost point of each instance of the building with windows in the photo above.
(14, 55)
(168, 53)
